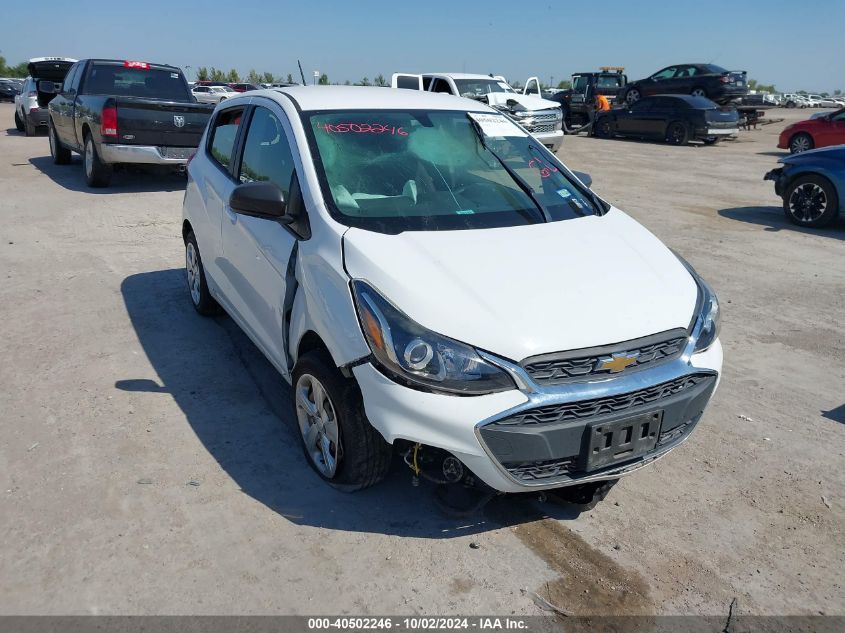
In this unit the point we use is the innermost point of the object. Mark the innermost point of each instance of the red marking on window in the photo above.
(361, 128)
(546, 169)
(139, 65)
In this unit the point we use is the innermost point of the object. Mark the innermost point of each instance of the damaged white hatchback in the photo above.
(433, 281)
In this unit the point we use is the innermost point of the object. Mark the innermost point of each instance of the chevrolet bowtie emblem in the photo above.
(617, 362)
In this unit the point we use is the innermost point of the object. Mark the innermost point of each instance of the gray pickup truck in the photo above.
(121, 112)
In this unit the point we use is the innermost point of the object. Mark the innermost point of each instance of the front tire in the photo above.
(97, 173)
(59, 153)
(339, 442)
(677, 133)
(811, 201)
(604, 129)
(19, 122)
(201, 298)
(800, 143)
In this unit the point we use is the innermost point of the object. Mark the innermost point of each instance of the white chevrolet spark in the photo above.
(431, 280)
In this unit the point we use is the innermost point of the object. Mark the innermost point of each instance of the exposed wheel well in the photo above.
(186, 228)
(310, 341)
(805, 174)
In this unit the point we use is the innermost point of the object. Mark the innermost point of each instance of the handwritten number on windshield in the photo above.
(361, 128)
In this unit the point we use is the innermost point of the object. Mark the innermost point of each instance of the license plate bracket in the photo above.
(618, 441)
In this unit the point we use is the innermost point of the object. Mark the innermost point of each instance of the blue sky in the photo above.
(795, 45)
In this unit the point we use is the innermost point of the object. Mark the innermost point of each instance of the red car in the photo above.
(824, 130)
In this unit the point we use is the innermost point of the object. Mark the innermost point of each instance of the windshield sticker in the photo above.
(563, 193)
(495, 125)
(361, 128)
(174, 75)
(546, 170)
(464, 211)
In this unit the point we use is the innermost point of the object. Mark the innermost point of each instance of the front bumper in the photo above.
(518, 458)
(145, 154)
(552, 140)
(776, 175)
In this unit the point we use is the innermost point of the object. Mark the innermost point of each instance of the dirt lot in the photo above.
(150, 462)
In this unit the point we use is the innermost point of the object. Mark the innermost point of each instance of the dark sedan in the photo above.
(8, 90)
(700, 80)
(812, 186)
(676, 119)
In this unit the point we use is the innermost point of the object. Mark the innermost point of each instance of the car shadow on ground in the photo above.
(124, 180)
(778, 154)
(837, 414)
(209, 367)
(773, 219)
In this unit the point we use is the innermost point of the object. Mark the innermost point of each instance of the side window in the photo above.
(223, 134)
(267, 154)
(71, 75)
(666, 73)
(838, 117)
(426, 82)
(441, 85)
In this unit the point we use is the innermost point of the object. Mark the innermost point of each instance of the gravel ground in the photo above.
(151, 465)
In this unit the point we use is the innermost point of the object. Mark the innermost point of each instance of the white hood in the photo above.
(528, 290)
(531, 103)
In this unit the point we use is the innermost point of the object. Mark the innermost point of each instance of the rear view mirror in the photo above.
(48, 87)
(260, 199)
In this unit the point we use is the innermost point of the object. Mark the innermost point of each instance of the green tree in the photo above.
(364, 82)
(752, 84)
(216, 74)
(324, 80)
(253, 77)
(564, 84)
(290, 79)
(202, 74)
(268, 78)
(233, 77)
(347, 83)
(380, 81)
(837, 92)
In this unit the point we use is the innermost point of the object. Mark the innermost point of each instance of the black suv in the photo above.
(699, 80)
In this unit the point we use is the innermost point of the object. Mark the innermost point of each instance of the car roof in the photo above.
(311, 98)
(462, 76)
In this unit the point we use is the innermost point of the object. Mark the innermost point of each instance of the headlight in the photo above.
(709, 317)
(411, 352)
(708, 314)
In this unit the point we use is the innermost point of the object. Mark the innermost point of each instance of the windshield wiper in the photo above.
(519, 180)
(598, 208)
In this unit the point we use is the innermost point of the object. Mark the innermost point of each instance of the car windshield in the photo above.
(392, 171)
(580, 83)
(474, 88)
(145, 82)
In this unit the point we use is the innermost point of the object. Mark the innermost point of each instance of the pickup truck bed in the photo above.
(128, 112)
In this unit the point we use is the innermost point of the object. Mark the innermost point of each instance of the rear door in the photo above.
(406, 80)
(215, 178)
(62, 106)
(257, 251)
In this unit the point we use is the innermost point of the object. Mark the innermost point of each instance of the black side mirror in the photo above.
(584, 177)
(260, 199)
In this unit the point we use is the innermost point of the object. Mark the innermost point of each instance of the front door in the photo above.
(257, 251)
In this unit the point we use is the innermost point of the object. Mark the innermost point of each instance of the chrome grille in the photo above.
(544, 127)
(601, 406)
(551, 369)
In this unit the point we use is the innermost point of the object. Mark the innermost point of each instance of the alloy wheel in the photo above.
(633, 96)
(318, 424)
(800, 144)
(192, 269)
(699, 92)
(807, 202)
